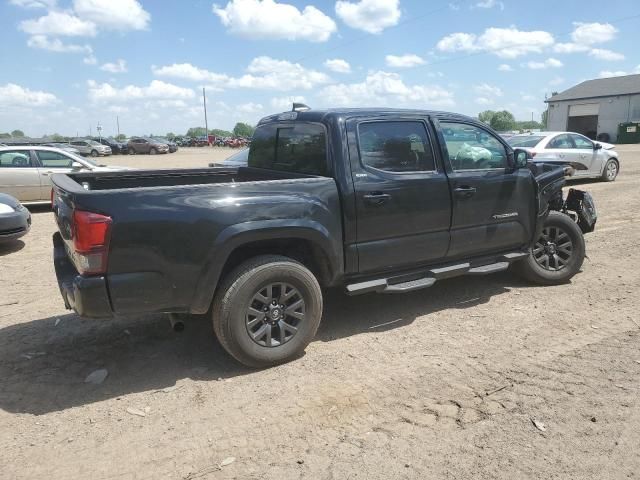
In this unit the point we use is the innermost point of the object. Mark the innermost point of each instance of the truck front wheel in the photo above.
(557, 254)
(267, 310)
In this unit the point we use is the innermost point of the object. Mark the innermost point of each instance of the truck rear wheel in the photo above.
(557, 254)
(267, 310)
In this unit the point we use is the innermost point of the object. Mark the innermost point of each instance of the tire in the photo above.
(248, 287)
(562, 262)
(94, 153)
(610, 171)
(152, 151)
(131, 150)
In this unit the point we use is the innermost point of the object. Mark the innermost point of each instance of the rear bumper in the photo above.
(87, 296)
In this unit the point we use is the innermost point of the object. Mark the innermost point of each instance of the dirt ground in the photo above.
(441, 383)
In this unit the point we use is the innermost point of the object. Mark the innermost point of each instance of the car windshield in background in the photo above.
(525, 141)
(79, 159)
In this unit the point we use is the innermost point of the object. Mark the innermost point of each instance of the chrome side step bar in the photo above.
(425, 278)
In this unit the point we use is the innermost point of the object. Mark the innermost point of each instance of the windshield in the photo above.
(525, 140)
(93, 142)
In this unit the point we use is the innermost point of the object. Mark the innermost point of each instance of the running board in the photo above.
(427, 278)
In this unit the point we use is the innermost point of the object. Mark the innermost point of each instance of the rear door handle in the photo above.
(376, 198)
(465, 192)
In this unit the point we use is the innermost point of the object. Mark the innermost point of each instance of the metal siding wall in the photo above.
(558, 113)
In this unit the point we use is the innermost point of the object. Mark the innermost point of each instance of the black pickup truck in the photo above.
(384, 201)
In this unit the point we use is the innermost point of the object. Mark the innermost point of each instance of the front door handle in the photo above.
(465, 192)
(376, 198)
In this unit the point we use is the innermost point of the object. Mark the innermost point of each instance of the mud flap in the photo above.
(581, 203)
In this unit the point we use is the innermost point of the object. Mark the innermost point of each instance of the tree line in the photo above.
(503, 121)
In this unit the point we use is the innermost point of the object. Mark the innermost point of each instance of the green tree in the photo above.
(56, 137)
(170, 136)
(196, 132)
(5, 135)
(486, 116)
(121, 137)
(503, 121)
(17, 134)
(528, 125)
(243, 130)
(220, 133)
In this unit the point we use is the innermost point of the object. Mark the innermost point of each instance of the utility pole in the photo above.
(118, 124)
(206, 125)
(99, 129)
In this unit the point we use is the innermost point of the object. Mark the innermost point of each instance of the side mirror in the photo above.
(596, 146)
(77, 165)
(520, 158)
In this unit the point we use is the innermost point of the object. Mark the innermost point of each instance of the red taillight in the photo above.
(91, 232)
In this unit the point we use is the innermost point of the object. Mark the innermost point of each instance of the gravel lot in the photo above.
(442, 383)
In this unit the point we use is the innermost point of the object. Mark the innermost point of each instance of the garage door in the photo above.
(584, 109)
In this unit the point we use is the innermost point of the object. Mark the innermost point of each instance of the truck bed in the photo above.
(129, 179)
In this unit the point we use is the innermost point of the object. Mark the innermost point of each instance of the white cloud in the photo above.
(270, 19)
(338, 65)
(385, 89)
(490, 4)
(59, 23)
(43, 42)
(619, 73)
(113, 14)
(503, 42)
(286, 103)
(556, 81)
(607, 55)
(272, 74)
(591, 33)
(487, 90)
(569, 48)
(90, 59)
(484, 101)
(372, 16)
(156, 89)
(528, 98)
(33, 3)
(548, 63)
(505, 68)
(250, 107)
(186, 71)
(119, 66)
(404, 61)
(263, 73)
(17, 96)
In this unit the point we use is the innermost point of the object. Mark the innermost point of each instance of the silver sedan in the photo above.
(25, 171)
(588, 159)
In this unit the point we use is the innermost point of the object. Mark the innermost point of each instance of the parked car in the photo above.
(117, 148)
(91, 147)
(587, 158)
(238, 159)
(399, 210)
(183, 141)
(25, 171)
(63, 146)
(200, 141)
(15, 220)
(146, 145)
(173, 147)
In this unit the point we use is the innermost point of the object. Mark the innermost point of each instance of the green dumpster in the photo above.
(629, 132)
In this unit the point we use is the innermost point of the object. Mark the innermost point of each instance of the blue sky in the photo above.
(69, 64)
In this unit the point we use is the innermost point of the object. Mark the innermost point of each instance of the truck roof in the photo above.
(321, 115)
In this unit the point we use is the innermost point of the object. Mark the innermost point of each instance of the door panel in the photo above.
(50, 163)
(493, 205)
(586, 155)
(19, 176)
(402, 198)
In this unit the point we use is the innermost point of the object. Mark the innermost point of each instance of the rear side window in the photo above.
(15, 159)
(395, 146)
(54, 159)
(298, 148)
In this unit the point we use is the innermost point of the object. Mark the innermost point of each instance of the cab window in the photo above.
(398, 147)
(15, 159)
(54, 160)
(473, 148)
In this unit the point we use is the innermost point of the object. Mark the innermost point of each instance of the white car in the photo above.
(587, 158)
(25, 171)
(91, 147)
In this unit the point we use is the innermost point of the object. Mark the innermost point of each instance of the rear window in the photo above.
(298, 148)
(525, 141)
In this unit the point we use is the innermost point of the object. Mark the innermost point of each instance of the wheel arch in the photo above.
(308, 242)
